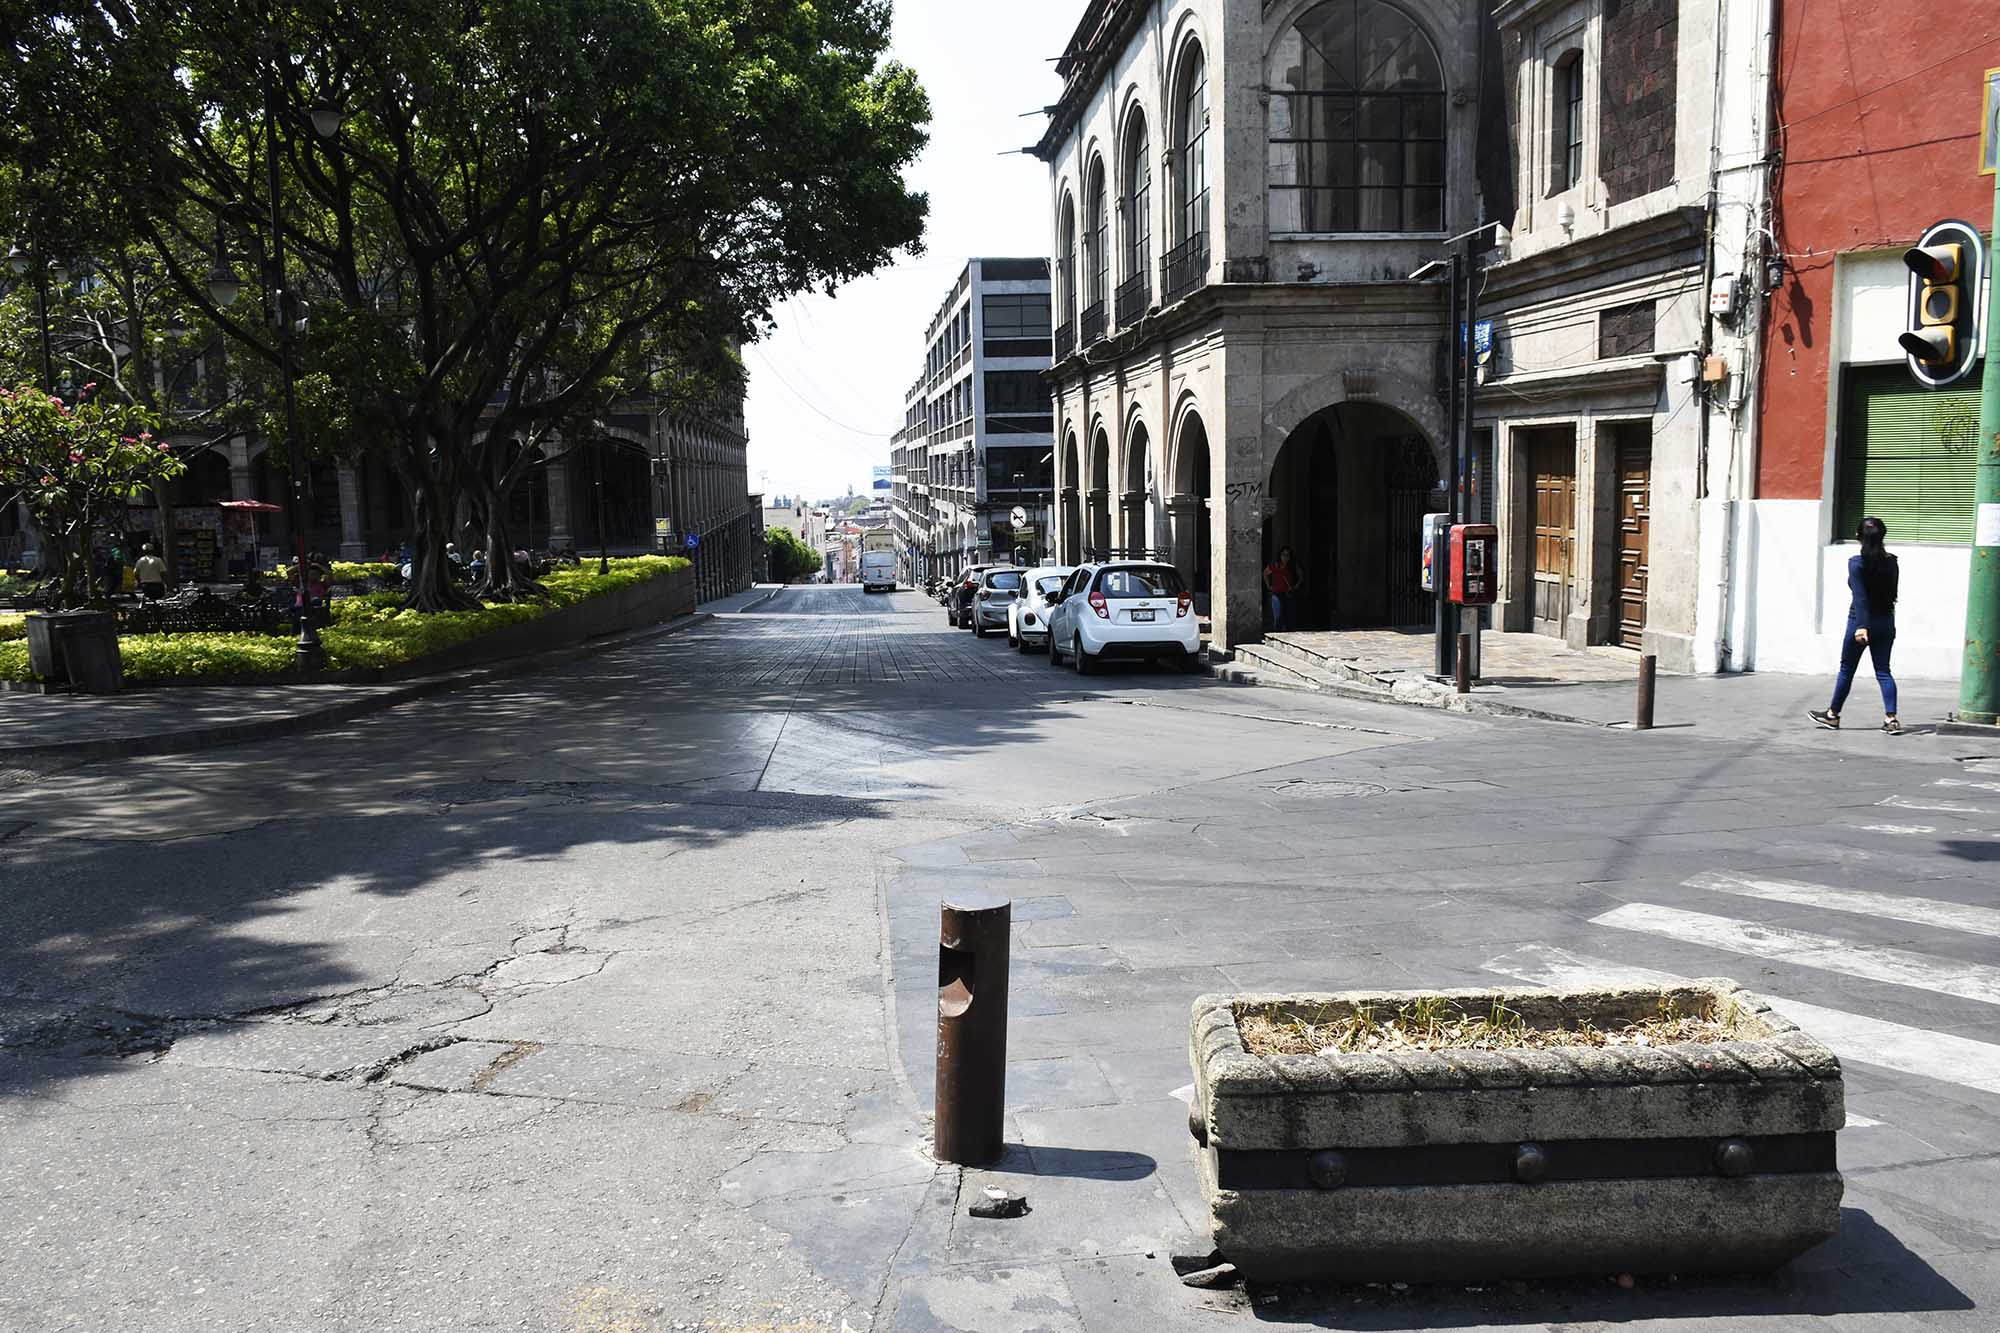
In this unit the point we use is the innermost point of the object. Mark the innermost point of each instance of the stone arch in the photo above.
(1070, 482)
(1135, 494)
(1398, 389)
(1189, 508)
(1098, 501)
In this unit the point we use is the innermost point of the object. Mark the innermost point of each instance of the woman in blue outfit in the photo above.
(1872, 579)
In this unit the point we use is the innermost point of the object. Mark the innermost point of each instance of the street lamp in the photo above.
(307, 654)
(20, 261)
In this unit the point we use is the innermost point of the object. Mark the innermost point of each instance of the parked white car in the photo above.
(1028, 616)
(1125, 609)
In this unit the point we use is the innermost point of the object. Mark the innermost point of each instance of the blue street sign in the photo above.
(693, 540)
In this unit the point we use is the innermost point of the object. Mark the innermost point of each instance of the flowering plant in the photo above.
(75, 463)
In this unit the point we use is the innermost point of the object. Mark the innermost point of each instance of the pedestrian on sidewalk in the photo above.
(150, 573)
(114, 569)
(1281, 582)
(1873, 580)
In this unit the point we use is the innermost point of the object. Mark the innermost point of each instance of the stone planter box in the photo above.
(1702, 1157)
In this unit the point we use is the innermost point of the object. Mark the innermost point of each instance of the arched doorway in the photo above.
(1100, 496)
(1188, 509)
(625, 498)
(1071, 498)
(1135, 501)
(1350, 488)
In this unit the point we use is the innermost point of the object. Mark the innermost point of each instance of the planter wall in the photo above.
(649, 602)
(1686, 1158)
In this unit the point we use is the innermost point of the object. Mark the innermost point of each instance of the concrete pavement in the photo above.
(603, 998)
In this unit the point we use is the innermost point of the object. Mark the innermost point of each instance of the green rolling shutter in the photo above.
(1908, 455)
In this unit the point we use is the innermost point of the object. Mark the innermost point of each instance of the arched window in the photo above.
(1097, 241)
(1136, 291)
(1066, 278)
(1357, 123)
(1191, 151)
(1566, 155)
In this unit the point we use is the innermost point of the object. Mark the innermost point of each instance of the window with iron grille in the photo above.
(1100, 235)
(1569, 82)
(1357, 123)
(1191, 149)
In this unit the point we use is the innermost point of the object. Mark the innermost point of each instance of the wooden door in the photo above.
(1552, 460)
(1635, 497)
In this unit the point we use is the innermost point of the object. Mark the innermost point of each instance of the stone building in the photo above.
(976, 441)
(1243, 197)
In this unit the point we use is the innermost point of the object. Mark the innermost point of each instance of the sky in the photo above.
(827, 383)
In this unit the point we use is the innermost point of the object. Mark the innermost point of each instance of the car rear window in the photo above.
(1007, 581)
(1161, 581)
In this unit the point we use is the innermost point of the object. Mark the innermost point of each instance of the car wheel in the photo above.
(1190, 663)
(1055, 654)
(1085, 664)
(978, 626)
(1013, 641)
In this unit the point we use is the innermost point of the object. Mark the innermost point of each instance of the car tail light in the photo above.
(1187, 601)
(1028, 619)
(1097, 605)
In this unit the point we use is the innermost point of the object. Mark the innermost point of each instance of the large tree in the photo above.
(523, 198)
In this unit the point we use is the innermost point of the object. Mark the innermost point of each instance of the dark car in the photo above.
(958, 598)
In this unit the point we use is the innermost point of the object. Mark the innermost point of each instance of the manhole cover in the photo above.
(1302, 790)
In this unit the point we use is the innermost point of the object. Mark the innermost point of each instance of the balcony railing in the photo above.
(1185, 269)
(1135, 294)
(1065, 341)
(1093, 324)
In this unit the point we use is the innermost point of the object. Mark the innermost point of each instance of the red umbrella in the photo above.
(250, 506)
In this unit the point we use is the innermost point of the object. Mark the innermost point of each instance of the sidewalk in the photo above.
(1531, 675)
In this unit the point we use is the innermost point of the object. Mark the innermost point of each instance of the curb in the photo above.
(1469, 705)
(238, 733)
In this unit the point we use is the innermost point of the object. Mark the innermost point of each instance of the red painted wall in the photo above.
(1878, 111)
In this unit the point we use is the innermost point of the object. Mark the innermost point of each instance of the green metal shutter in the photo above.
(1908, 455)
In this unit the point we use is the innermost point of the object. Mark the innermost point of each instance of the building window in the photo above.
(1016, 391)
(1568, 123)
(1099, 240)
(1191, 152)
(1908, 456)
(1357, 123)
(1010, 316)
(1626, 330)
(1138, 202)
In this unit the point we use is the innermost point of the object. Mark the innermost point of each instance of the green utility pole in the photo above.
(1979, 687)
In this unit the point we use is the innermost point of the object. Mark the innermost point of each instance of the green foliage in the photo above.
(374, 630)
(73, 463)
(13, 626)
(345, 572)
(790, 557)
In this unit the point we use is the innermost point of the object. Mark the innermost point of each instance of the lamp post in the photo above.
(307, 654)
(603, 536)
(21, 261)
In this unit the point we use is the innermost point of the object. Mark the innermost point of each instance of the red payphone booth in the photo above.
(1475, 564)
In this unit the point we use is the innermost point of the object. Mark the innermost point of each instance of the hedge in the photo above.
(372, 630)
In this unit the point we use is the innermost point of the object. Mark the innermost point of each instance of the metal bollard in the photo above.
(974, 934)
(1464, 664)
(1648, 665)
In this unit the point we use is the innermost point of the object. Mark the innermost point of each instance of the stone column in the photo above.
(1238, 493)
(1132, 508)
(351, 545)
(1183, 512)
(242, 482)
(560, 533)
(1098, 519)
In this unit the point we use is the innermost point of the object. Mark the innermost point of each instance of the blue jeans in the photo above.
(1881, 642)
(1277, 611)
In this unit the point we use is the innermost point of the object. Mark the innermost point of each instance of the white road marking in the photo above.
(1916, 911)
(1868, 1041)
(1937, 807)
(1873, 962)
(1961, 782)
(1904, 829)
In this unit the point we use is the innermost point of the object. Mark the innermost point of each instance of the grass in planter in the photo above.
(13, 626)
(371, 630)
(1437, 1024)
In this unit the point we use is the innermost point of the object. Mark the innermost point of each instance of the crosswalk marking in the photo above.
(1916, 911)
(1937, 807)
(1873, 962)
(1871, 1041)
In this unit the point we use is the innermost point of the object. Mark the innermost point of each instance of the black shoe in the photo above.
(1893, 727)
(1829, 721)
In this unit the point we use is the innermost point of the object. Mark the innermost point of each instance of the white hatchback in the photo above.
(1028, 614)
(1130, 609)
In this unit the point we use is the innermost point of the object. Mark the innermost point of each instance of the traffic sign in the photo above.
(692, 540)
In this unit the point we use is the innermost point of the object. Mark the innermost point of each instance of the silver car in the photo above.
(1028, 617)
(998, 589)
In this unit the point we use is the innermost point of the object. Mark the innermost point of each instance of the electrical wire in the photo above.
(814, 408)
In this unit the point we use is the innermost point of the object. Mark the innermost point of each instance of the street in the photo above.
(604, 998)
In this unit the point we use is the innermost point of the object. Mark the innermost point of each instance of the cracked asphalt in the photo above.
(603, 999)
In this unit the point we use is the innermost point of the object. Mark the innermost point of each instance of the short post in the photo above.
(974, 935)
(1463, 664)
(1648, 666)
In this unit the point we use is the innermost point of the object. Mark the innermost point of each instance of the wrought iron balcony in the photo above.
(1135, 295)
(1093, 324)
(1065, 341)
(1185, 269)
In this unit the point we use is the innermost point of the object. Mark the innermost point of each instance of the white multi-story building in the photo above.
(977, 439)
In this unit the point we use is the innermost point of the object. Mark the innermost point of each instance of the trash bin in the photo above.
(43, 661)
(86, 643)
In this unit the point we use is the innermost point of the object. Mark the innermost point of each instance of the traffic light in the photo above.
(1947, 281)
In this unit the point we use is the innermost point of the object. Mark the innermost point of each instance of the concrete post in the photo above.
(560, 532)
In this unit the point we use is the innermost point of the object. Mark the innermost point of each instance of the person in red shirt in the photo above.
(1281, 582)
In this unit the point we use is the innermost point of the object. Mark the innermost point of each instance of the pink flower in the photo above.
(161, 447)
(127, 439)
(88, 387)
(57, 401)
(75, 457)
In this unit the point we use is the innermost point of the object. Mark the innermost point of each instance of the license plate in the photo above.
(1142, 617)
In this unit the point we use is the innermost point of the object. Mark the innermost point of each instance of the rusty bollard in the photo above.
(974, 933)
(1648, 665)
(1464, 664)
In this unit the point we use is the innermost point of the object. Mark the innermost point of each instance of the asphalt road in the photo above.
(603, 999)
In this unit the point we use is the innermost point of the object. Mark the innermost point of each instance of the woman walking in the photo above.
(1872, 579)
